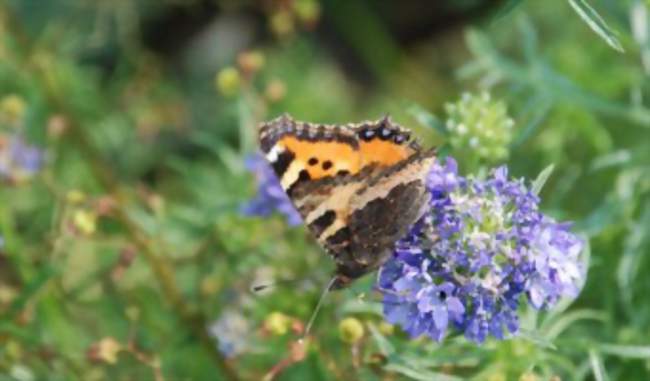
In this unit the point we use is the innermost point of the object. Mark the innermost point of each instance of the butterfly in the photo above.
(358, 187)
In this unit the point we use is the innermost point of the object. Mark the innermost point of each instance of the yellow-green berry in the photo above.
(277, 323)
(351, 330)
(308, 11)
(85, 221)
(228, 81)
(282, 23)
(12, 109)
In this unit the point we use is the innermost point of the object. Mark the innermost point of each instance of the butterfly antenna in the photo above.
(326, 290)
(262, 287)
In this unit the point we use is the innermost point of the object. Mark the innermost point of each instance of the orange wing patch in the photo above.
(321, 159)
(383, 152)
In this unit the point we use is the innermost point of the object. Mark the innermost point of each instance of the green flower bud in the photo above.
(308, 11)
(228, 81)
(85, 221)
(12, 109)
(282, 23)
(277, 323)
(479, 128)
(351, 330)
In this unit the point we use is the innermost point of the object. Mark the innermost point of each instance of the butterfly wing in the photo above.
(318, 166)
(357, 187)
(383, 211)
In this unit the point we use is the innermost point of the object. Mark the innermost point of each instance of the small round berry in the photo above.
(351, 330)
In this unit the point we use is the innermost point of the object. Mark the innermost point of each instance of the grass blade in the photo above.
(597, 366)
(596, 23)
(541, 179)
(626, 351)
(506, 8)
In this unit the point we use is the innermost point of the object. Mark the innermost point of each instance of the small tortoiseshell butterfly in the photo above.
(358, 187)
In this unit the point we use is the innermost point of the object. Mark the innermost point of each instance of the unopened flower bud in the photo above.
(12, 109)
(282, 23)
(277, 323)
(308, 11)
(228, 81)
(250, 62)
(85, 221)
(351, 330)
(479, 127)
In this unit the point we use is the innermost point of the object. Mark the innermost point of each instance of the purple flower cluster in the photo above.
(18, 160)
(270, 196)
(467, 263)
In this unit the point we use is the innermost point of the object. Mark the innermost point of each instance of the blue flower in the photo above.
(18, 160)
(480, 250)
(232, 330)
(270, 196)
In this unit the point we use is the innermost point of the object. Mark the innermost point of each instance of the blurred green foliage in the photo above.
(120, 254)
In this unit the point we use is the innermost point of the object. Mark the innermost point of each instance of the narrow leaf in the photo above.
(537, 339)
(542, 106)
(539, 182)
(506, 8)
(566, 320)
(626, 351)
(597, 366)
(596, 23)
(385, 347)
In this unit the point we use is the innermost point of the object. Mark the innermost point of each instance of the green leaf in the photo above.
(426, 118)
(597, 366)
(539, 182)
(385, 347)
(626, 351)
(536, 338)
(554, 329)
(535, 113)
(506, 8)
(596, 23)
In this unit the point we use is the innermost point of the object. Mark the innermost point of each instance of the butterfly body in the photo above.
(358, 187)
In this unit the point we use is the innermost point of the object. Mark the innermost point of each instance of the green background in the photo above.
(143, 138)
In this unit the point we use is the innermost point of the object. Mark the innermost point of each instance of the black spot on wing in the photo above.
(303, 176)
(284, 160)
(321, 223)
(341, 237)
